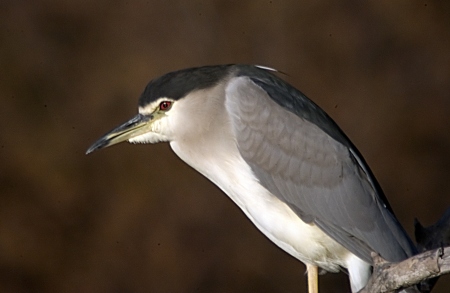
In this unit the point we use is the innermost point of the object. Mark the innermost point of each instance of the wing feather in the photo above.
(318, 175)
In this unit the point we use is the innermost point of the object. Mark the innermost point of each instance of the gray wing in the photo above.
(322, 180)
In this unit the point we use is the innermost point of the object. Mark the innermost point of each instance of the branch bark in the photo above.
(390, 277)
(422, 269)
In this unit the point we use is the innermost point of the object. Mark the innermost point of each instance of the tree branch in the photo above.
(389, 277)
(433, 262)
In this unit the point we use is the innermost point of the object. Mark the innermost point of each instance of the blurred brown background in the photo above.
(136, 218)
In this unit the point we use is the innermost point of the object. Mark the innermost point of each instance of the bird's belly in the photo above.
(306, 242)
(270, 215)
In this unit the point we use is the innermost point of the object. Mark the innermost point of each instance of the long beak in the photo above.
(129, 129)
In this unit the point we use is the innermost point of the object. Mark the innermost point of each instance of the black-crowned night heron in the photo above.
(279, 157)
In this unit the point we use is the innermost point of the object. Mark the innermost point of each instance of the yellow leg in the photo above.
(313, 278)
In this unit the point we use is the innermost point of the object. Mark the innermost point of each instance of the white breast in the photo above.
(271, 216)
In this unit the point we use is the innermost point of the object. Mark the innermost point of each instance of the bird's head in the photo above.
(165, 105)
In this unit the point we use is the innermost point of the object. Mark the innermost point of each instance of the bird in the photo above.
(280, 158)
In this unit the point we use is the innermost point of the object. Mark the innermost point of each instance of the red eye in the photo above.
(165, 105)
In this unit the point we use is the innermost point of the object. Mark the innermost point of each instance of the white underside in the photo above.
(273, 217)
